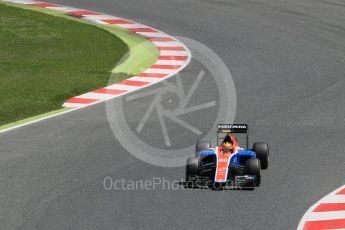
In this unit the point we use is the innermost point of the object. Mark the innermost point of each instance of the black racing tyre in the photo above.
(192, 170)
(253, 167)
(202, 145)
(258, 180)
(262, 153)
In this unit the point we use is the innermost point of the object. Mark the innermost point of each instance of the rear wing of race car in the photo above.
(233, 128)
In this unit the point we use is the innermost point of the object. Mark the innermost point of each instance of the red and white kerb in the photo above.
(328, 213)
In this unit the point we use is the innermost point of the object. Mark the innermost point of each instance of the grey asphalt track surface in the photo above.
(287, 59)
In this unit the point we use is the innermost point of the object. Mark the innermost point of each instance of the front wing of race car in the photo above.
(236, 178)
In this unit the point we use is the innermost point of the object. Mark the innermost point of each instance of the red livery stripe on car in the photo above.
(223, 160)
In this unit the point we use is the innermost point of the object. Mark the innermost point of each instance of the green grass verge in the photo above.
(142, 53)
(45, 60)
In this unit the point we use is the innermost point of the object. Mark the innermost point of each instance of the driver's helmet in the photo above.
(227, 147)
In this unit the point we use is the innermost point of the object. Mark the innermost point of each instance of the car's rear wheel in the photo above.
(253, 167)
(202, 145)
(262, 153)
(192, 170)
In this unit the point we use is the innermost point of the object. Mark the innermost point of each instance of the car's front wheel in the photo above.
(253, 167)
